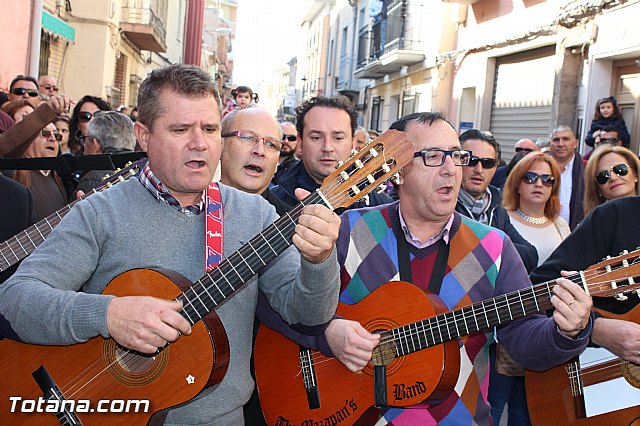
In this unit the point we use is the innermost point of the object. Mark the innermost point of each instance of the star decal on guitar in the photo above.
(190, 379)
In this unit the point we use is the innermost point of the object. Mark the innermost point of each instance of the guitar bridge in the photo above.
(309, 377)
(51, 392)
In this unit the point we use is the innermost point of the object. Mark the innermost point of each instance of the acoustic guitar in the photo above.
(24, 243)
(557, 396)
(299, 386)
(100, 369)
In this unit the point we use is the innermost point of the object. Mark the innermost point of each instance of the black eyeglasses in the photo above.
(86, 116)
(520, 149)
(19, 91)
(487, 163)
(603, 176)
(530, 178)
(251, 138)
(46, 133)
(436, 157)
(49, 87)
(290, 138)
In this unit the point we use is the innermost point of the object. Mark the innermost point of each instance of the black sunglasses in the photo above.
(487, 163)
(603, 176)
(530, 178)
(85, 116)
(21, 91)
(520, 149)
(290, 138)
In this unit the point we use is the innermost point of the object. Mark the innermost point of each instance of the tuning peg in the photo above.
(340, 163)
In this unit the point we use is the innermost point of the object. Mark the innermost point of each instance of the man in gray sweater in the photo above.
(157, 221)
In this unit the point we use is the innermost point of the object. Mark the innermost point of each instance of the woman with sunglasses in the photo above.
(612, 172)
(530, 196)
(83, 112)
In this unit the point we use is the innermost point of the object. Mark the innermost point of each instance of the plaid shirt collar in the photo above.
(162, 193)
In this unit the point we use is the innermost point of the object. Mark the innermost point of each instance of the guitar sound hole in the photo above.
(133, 362)
(132, 368)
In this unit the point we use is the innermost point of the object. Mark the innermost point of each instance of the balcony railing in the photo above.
(143, 22)
(388, 49)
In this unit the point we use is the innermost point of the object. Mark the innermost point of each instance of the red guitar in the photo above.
(102, 370)
(299, 386)
(556, 396)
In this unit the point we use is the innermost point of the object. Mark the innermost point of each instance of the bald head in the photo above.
(526, 145)
(245, 165)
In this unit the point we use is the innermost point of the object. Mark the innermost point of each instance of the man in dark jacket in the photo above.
(480, 201)
(563, 150)
(326, 127)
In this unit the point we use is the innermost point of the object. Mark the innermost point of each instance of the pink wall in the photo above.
(15, 24)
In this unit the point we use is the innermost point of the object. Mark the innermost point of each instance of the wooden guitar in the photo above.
(299, 386)
(100, 369)
(24, 243)
(556, 396)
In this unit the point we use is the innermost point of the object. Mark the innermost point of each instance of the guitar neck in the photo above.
(24, 243)
(471, 319)
(217, 286)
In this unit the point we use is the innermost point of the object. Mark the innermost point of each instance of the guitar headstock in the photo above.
(614, 276)
(119, 175)
(367, 169)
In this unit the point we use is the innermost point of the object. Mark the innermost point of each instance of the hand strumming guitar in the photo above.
(618, 336)
(351, 343)
(145, 324)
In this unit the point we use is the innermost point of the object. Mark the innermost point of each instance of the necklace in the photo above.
(535, 220)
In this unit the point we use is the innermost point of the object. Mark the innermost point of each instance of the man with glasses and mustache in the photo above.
(563, 150)
(48, 85)
(288, 152)
(481, 201)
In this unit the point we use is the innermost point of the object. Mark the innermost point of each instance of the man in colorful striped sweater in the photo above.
(401, 241)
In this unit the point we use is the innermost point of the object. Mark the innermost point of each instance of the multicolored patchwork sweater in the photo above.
(482, 264)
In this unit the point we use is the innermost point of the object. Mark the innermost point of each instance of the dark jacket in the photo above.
(283, 168)
(499, 218)
(17, 215)
(298, 177)
(603, 123)
(577, 192)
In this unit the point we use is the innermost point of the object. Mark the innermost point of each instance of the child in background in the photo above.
(242, 96)
(608, 115)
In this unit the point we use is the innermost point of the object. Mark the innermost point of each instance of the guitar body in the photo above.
(551, 401)
(101, 370)
(427, 375)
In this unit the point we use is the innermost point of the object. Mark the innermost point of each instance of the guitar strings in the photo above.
(335, 200)
(599, 366)
(319, 358)
(17, 243)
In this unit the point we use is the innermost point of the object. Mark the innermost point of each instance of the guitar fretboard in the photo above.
(24, 243)
(232, 274)
(471, 319)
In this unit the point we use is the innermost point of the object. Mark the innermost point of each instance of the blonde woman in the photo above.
(612, 172)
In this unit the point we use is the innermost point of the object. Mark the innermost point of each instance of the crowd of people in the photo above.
(442, 227)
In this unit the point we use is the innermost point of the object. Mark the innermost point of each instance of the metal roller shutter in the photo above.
(523, 90)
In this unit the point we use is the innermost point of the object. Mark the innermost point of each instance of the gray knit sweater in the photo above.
(125, 227)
